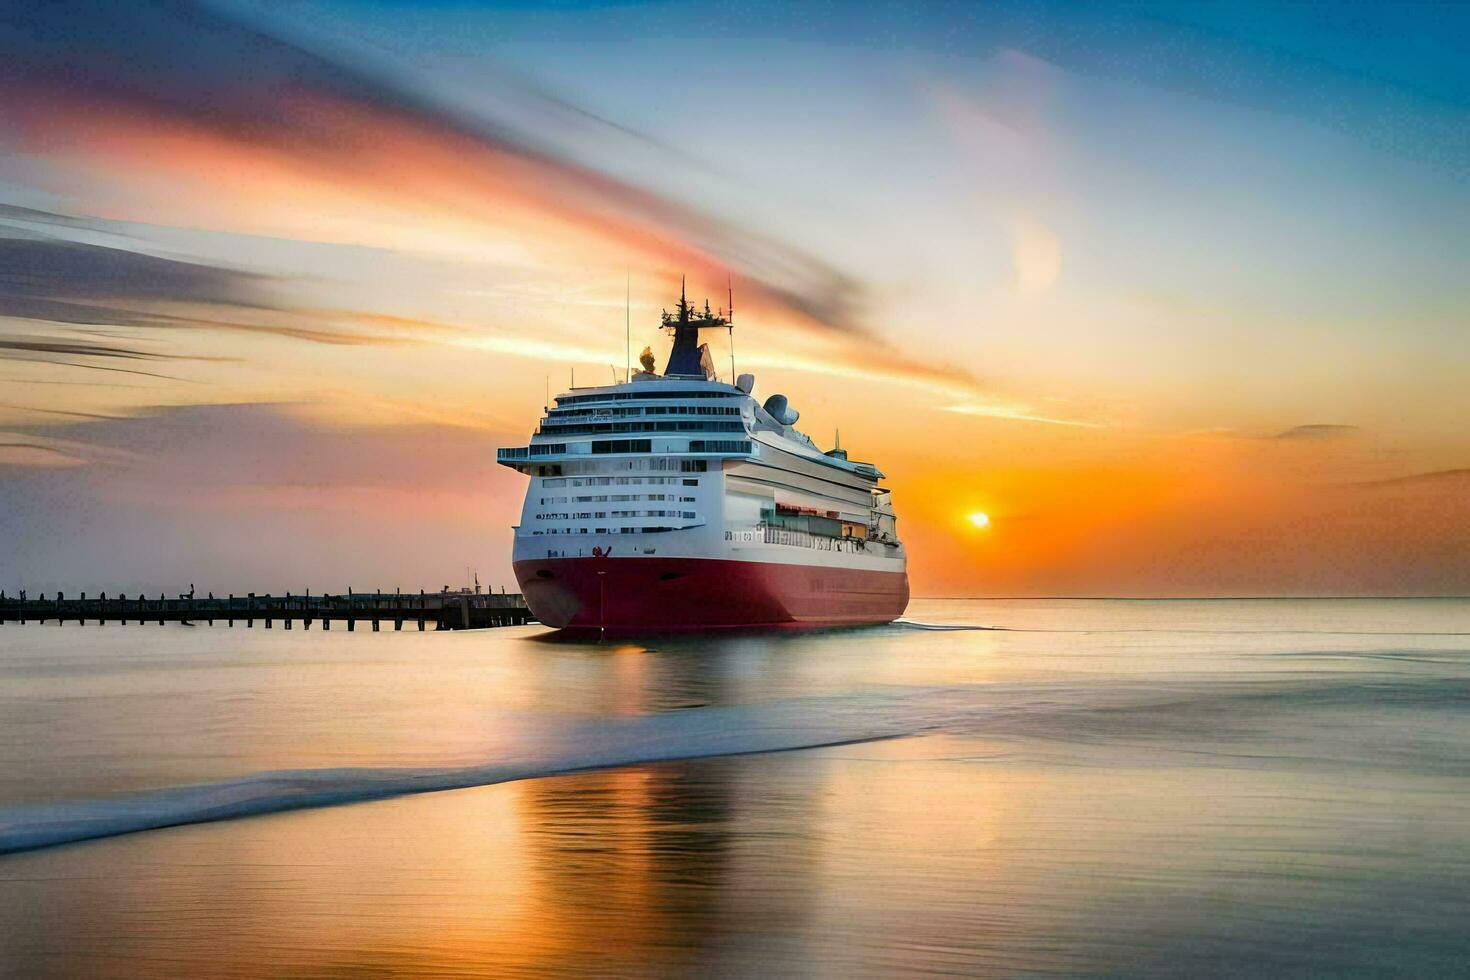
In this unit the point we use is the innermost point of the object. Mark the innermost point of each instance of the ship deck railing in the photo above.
(767, 534)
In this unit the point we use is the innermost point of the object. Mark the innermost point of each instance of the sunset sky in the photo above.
(1179, 295)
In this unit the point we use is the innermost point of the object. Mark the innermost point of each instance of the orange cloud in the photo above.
(217, 123)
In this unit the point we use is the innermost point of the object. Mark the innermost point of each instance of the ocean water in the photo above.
(1271, 787)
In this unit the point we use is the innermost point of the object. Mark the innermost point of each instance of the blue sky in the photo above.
(1063, 242)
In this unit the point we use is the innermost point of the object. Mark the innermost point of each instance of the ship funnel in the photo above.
(781, 410)
(746, 383)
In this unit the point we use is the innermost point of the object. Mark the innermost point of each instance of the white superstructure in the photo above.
(694, 468)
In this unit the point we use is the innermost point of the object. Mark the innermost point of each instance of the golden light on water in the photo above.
(980, 519)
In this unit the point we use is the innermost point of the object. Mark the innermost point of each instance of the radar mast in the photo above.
(686, 321)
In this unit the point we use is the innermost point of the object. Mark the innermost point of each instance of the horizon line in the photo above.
(1178, 598)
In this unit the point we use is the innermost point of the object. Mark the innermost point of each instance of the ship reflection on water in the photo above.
(621, 870)
(1187, 788)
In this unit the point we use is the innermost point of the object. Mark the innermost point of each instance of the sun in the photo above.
(980, 519)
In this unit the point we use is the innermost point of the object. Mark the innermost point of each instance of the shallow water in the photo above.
(1090, 786)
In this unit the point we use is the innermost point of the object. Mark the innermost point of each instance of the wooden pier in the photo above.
(444, 610)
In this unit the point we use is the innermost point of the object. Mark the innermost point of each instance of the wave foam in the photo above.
(914, 624)
(695, 733)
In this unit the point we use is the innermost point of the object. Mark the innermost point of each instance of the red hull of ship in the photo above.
(636, 594)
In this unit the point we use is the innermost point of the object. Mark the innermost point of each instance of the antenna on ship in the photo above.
(628, 326)
(730, 322)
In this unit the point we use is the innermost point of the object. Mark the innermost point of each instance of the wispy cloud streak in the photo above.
(73, 73)
(73, 282)
(80, 284)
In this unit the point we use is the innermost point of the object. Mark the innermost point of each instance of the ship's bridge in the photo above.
(685, 412)
(663, 416)
(652, 415)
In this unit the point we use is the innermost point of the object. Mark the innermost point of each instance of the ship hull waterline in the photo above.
(655, 594)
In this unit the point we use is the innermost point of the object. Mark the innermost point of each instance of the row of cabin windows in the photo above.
(616, 498)
(627, 396)
(620, 481)
(591, 428)
(719, 445)
(604, 530)
(601, 514)
(600, 446)
(636, 410)
(645, 445)
(660, 463)
(606, 446)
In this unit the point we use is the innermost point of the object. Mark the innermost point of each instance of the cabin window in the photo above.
(622, 446)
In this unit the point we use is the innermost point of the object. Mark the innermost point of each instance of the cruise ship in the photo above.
(678, 501)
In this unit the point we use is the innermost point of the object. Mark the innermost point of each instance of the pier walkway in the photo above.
(444, 610)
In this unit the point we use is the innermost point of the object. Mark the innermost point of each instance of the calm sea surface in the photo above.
(1109, 787)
